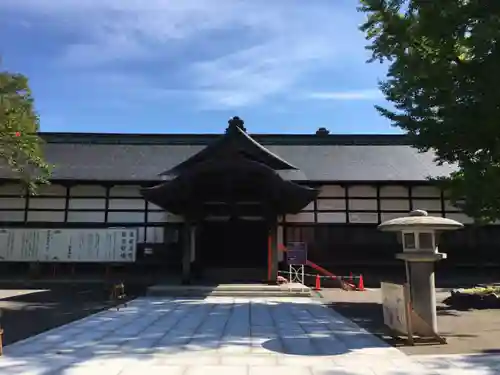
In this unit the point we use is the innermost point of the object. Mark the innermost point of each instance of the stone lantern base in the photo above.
(421, 277)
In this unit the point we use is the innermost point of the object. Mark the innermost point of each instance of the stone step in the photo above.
(236, 290)
(229, 294)
(232, 275)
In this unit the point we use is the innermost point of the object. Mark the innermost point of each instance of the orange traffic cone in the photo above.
(361, 285)
(318, 283)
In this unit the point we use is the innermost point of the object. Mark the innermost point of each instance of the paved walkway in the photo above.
(217, 335)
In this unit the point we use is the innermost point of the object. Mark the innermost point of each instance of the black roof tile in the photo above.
(114, 157)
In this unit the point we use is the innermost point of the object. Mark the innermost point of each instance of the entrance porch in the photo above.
(231, 195)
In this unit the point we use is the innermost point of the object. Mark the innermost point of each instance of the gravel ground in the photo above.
(473, 331)
(32, 310)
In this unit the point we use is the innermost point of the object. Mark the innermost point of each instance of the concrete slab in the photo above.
(219, 335)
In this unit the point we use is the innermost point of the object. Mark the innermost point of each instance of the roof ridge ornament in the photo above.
(235, 140)
(236, 123)
(322, 131)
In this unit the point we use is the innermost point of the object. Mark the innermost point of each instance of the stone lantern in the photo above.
(420, 251)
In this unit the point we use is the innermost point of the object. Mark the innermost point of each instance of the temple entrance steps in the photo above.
(229, 290)
(232, 275)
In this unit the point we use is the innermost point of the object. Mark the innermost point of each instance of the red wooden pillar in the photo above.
(269, 258)
(272, 254)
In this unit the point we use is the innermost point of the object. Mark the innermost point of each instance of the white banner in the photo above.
(394, 307)
(6, 237)
(68, 245)
(56, 247)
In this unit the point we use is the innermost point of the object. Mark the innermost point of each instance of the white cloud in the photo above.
(346, 95)
(248, 75)
(235, 52)
(122, 90)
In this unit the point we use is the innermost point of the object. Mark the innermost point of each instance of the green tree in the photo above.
(444, 87)
(20, 145)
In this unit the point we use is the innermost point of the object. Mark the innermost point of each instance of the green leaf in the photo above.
(22, 154)
(443, 57)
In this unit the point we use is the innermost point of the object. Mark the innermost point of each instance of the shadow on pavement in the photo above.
(178, 327)
(190, 327)
(370, 317)
(367, 315)
(41, 307)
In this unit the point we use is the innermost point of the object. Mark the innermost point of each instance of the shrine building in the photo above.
(205, 204)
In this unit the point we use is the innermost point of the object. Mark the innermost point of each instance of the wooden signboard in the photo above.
(399, 315)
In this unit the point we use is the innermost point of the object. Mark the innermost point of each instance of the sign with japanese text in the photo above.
(296, 253)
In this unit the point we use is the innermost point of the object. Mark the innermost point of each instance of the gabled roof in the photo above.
(233, 169)
(229, 180)
(235, 140)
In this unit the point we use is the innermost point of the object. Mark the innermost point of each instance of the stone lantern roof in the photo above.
(419, 219)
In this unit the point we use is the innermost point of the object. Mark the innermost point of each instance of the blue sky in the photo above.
(161, 66)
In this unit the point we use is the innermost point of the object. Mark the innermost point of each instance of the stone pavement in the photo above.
(461, 364)
(218, 335)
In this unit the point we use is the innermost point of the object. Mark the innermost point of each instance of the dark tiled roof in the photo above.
(319, 158)
(234, 139)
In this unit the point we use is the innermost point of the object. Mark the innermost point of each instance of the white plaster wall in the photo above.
(44, 203)
(46, 216)
(363, 217)
(309, 207)
(395, 204)
(390, 215)
(332, 191)
(331, 217)
(155, 234)
(12, 189)
(127, 217)
(82, 203)
(87, 190)
(331, 204)
(86, 217)
(15, 203)
(15, 216)
(363, 204)
(362, 191)
(125, 191)
(427, 204)
(394, 191)
(52, 189)
(81, 198)
(425, 191)
(127, 204)
(302, 217)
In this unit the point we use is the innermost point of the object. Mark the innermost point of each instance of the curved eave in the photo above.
(284, 164)
(179, 195)
(298, 196)
(235, 140)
